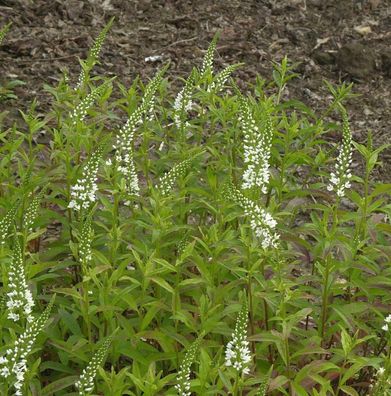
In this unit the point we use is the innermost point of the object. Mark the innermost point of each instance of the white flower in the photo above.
(83, 193)
(183, 378)
(5, 223)
(261, 222)
(82, 108)
(340, 178)
(32, 211)
(388, 319)
(167, 181)
(257, 148)
(207, 62)
(221, 78)
(85, 251)
(94, 54)
(385, 327)
(381, 371)
(15, 364)
(183, 103)
(19, 298)
(86, 380)
(237, 352)
(124, 143)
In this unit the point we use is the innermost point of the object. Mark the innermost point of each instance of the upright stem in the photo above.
(114, 243)
(85, 307)
(326, 277)
(236, 385)
(288, 361)
(325, 297)
(266, 313)
(251, 310)
(250, 299)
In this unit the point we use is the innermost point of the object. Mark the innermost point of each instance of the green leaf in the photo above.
(58, 385)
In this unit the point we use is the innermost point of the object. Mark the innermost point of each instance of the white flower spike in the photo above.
(340, 178)
(237, 352)
(183, 377)
(262, 222)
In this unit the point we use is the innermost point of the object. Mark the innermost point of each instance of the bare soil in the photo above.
(336, 40)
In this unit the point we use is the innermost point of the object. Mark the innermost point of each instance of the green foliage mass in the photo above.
(150, 281)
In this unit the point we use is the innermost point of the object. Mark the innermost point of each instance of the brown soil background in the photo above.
(336, 40)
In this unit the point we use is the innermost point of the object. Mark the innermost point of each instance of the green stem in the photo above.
(266, 314)
(85, 308)
(325, 297)
(340, 377)
(114, 242)
(236, 385)
(251, 306)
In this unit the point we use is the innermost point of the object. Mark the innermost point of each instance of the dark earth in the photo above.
(334, 40)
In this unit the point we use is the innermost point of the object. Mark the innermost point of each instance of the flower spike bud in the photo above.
(14, 363)
(124, 143)
(340, 178)
(83, 193)
(183, 378)
(183, 102)
(93, 55)
(387, 324)
(151, 89)
(6, 222)
(20, 301)
(207, 63)
(262, 223)
(85, 384)
(167, 181)
(82, 108)
(221, 78)
(264, 384)
(97, 47)
(86, 236)
(32, 211)
(257, 147)
(237, 352)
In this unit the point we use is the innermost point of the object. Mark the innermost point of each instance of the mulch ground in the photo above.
(334, 40)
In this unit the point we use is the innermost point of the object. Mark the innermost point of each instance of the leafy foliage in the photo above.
(170, 255)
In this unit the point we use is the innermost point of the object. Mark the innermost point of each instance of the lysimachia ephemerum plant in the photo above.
(85, 383)
(262, 223)
(13, 364)
(80, 111)
(93, 56)
(340, 178)
(31, 212)
(6, 222)
(222, 77)
(167, 181)
(207, 62)
(183, 377)
(165, 265)
(124, 142)
(237, 351)
(83, 193)
(183, 103)
(85, 241)
(257, 147)
(381, 381)
(20, 301)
